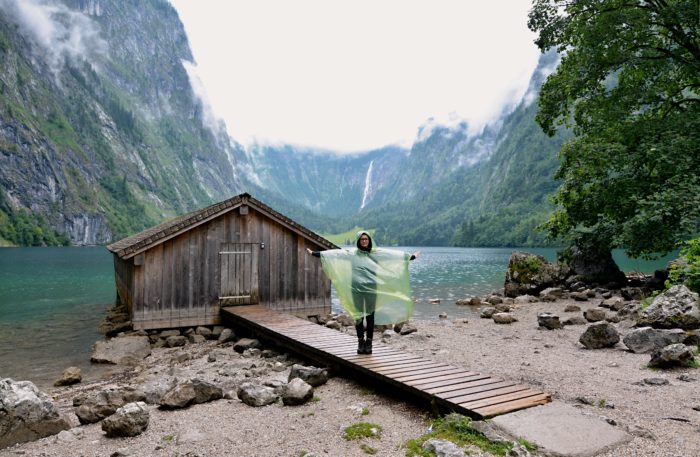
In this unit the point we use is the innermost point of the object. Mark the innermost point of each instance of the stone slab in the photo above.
(562, 430)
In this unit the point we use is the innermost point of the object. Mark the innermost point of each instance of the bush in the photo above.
(686, 268)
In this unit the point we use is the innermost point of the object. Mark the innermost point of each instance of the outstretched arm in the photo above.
(313, 253)
(415, 255)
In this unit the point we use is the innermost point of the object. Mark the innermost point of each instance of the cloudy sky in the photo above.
(356, 75)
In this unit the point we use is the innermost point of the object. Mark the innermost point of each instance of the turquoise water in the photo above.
(51, 302)
(52, 299)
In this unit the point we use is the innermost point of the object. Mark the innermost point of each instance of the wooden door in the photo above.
(239, 273)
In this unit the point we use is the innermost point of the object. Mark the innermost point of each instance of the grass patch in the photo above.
(168, 438)
(362, 430)
(365, 411)
(316, 398)
(601, 403)
(458, 429)
(368, 449)
(366, 391)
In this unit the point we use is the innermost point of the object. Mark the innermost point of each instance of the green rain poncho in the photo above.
(375, 281)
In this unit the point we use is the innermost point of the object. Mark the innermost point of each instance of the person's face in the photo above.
(364, 241)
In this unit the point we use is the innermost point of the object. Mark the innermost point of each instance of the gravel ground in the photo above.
(661, 418)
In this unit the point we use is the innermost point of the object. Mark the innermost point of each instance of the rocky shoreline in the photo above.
(206, 391)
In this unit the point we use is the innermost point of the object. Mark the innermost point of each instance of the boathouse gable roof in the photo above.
(142, 241)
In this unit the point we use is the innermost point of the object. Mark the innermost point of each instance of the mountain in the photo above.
(104, 131)
(101, 131)
(452, 187)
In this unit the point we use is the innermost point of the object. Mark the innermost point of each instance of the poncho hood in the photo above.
(357, 241)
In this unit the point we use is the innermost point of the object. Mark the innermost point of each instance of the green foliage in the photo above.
(365, 411)
(629, 85)
(362, 430)
(457, 429)
(686, 268)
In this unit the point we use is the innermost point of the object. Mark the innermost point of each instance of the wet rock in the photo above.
(647, 339)
(70, 376)
(297, 392)
(672, 355)
(129, 420)
(311, 375)
(674, 308)
(26, 413)
(124, 350)
(599, 336)
(549, 321)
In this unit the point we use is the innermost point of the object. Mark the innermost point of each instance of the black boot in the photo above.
(368, 346)
(361, 346)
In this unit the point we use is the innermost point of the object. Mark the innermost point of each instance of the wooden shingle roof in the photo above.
(135, 244)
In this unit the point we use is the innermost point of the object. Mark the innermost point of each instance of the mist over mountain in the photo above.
(105, 130)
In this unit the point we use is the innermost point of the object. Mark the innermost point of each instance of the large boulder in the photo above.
(648, 339)
(192, 391)
(26, 413)
(671, 356)
(256, 395)
(105, 403)
(123, 350)
(129, 420)
(530, 274)
(297, 392)
(675, 308)
(599, 336)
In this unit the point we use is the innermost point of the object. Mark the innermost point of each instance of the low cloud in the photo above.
(58, 32)
(209, 118)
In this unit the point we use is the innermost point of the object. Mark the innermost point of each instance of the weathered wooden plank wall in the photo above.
(178, 283)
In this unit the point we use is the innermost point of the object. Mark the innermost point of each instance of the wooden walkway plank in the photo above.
(453, 388)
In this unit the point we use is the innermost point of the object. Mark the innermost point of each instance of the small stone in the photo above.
(442, 315)
(211, 357)
(656, 381)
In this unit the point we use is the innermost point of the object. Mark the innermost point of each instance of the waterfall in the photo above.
(368, 185)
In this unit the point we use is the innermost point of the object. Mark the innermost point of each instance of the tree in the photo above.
(628, 85)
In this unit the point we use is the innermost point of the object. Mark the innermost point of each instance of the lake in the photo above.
(53, 299)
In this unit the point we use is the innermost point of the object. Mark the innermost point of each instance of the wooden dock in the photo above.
(449, 387)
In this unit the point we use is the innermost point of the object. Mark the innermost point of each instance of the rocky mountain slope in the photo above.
(101, 132)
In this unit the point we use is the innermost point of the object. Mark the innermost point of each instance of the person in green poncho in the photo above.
(373, 285)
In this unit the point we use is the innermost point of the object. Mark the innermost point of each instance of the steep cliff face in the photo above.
(101, 133)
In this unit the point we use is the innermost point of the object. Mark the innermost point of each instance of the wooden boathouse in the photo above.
(236, 252)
